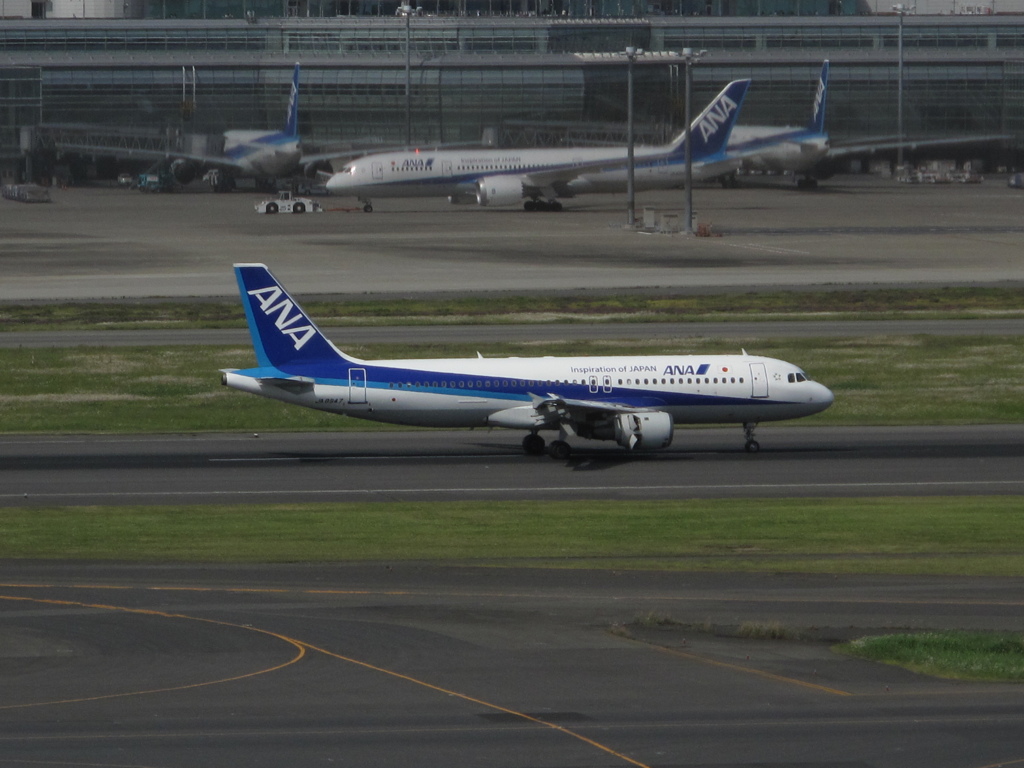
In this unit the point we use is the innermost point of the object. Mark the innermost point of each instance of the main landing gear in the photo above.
(542, 205)
(534, 445)
(752, 445)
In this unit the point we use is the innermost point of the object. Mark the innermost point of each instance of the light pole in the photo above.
(690, 58)
(901, 10)
(407, 9)
(631, 55)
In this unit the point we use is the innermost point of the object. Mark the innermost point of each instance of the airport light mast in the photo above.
(631, 55)
(690, 57)
(901, 10)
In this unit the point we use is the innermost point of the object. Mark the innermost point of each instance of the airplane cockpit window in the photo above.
(797, 377)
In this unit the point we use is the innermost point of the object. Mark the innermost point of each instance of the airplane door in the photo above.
(357, 386)
(446, 167)
(378, 170)
(758, 380)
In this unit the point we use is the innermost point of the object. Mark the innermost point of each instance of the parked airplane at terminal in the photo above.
(634, 400)
(809, 154)
(263, 155)
(507, 176)
(785, 149)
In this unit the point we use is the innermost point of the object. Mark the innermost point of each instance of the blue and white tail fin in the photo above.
(291, 125)
(283, 335)
(711, 129)
(817, 123)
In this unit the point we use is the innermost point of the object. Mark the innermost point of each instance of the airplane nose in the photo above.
(823, 396)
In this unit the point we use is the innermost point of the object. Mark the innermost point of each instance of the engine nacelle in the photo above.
(184, 171)
(643, 430)
(499, 190)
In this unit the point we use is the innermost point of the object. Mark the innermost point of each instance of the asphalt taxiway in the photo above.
(382, 665)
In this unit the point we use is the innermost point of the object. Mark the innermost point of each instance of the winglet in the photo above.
(711, 128)
(817, 123)
(291, 126)
(282, 333)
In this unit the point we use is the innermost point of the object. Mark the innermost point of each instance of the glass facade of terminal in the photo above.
(505, 76)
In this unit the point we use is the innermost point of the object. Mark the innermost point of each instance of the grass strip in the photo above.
(988, 656)
(878, 380)
(965, 536)
(931, 303)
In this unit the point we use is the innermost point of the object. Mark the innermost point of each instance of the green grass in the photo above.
(877, 380)
(966, 536)
(988, 656)
(796, 305)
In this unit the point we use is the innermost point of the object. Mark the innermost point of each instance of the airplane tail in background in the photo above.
(817, 123)
(282, 334)
(711, 129)
(291, 126)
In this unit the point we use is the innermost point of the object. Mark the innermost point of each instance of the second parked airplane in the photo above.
(541, 176)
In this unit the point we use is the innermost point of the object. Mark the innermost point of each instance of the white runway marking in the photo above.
(562, 490)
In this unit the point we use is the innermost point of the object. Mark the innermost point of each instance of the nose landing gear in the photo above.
(752, 446)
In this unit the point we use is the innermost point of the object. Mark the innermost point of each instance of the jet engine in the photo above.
(184, 171)
(499, 190)
(643, 430)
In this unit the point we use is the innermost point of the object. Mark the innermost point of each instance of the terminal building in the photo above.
(521, 72)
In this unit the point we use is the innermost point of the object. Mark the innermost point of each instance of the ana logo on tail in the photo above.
(716, 116)
(818, 112)
(267, 298)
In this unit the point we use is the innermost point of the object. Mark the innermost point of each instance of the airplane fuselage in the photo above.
(701, 389)
(460, 174)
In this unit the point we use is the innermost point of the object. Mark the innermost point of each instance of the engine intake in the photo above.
(643, 430)
(184, 171)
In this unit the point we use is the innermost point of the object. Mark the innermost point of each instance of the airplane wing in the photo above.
(869, 146)
(561, 407)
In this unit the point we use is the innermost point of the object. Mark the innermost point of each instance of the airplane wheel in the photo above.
(272, 208)
(530, 206)
(560, 450)
(753, 446)
(367, 208)
(555, 206)
(533, 444)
